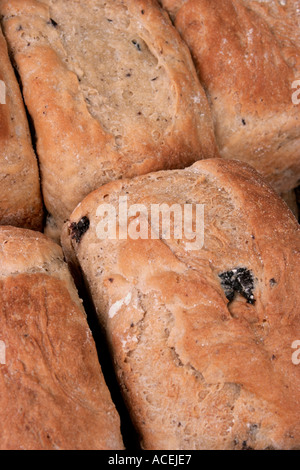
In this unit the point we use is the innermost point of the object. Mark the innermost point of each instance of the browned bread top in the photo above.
(202, 338)
(247, 55)
(20, 197)
(52, 392)
(112, 91)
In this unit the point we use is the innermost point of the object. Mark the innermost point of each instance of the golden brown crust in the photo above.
(198, 371)
(20, 197)
(52, 391)
(247, 55)
(76, 154)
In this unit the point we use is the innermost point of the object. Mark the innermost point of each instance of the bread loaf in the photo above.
(52, 392)
(201, 334)
(247, 55)
(112, 91)
(20, 197)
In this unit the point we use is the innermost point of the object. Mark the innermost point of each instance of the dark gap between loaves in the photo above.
(129, 433)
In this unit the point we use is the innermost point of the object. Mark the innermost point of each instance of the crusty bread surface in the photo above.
(112, 91)
(247, 55)
(202, 338)
(52, 391)
(20, 196)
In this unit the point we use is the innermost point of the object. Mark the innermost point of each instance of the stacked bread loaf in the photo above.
(247, 55)
(201, 331)
(53, 394)
(161, 140)
(112, 92)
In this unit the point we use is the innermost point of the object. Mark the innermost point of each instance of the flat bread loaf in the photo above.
(247, 55)
(20, 195)
(112, 91)
(52, 391)
(202, 336)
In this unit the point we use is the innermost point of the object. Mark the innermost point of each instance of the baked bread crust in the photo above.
(197, 370)
(247, 55)
(76, 153)
(20, 196)
(52, 392)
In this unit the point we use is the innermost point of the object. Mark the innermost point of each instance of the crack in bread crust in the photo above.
(20, 196)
